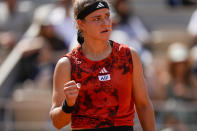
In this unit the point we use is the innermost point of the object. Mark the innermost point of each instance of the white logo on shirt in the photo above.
(103, 71)
(104, 77)
(100, 5)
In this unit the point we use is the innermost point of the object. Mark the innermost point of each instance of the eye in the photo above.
(96, 19)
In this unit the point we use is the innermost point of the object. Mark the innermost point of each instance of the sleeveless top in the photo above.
(105, 97)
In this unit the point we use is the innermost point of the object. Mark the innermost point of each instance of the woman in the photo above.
(97, 84)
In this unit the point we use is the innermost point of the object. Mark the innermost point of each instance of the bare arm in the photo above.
(142, 102)
(63, 88)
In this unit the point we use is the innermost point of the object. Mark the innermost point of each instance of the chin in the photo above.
(104, 37)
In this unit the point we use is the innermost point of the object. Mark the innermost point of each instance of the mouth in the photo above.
(105, 31)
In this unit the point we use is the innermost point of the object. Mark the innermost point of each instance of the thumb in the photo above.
(78, 85)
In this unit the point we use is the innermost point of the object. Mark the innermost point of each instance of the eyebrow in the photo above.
(96, 16)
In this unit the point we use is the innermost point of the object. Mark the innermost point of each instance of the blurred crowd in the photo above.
(43, 34)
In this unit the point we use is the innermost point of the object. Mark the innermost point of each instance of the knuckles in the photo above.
(71, 91)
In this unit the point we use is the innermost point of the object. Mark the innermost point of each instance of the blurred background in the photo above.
(34, 34)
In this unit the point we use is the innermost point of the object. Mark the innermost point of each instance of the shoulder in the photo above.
(137, 65)
(121, 48)
(66, 62)
(119, 45)
(74, 52)
(130, 51)
(63, 61)
(63, 64)
(133, 52)
(125, 48)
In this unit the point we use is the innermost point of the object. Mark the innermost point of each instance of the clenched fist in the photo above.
(71, 91)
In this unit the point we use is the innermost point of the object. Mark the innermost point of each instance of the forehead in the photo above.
(99, 12)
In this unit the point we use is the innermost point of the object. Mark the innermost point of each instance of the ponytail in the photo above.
(80, 37)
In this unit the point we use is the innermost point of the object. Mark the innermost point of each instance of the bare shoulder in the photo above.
(62, 70)
(63, 63)
(135, 56)
(62, 75)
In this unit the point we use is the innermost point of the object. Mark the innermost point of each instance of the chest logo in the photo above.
(103, 71)
(104, 77)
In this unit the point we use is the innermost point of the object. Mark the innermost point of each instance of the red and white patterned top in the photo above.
(105, 97)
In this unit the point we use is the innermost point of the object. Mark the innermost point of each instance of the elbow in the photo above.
(58, 126)
(55, 122)
(58, 123)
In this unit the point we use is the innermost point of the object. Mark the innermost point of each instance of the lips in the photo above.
(104, 31)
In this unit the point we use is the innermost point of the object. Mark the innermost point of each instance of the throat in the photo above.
(96, 52)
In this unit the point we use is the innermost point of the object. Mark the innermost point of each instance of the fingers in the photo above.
(71, 94)
(71, 88)
(71, 91)
(78, 85)
(70, 83)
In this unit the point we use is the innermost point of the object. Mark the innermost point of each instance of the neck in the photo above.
(96, 49)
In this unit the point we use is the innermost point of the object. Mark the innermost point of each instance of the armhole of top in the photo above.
(130, 57)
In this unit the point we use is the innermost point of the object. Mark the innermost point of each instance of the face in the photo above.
(97, 25)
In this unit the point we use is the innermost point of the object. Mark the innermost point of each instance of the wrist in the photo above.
(66, 108)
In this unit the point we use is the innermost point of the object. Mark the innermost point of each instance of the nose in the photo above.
(106, 22)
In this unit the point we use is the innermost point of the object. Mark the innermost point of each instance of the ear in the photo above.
(80, 24)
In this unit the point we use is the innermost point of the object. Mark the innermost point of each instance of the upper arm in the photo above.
(62, 74)
(140, 94)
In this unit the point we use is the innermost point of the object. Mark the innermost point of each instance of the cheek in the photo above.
(92, 29)
(110, 24)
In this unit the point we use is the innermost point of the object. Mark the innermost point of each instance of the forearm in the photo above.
(146, 117)
(60, 118)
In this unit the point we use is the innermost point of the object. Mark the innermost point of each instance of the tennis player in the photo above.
(98, 85)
